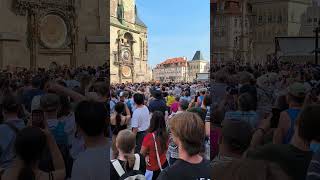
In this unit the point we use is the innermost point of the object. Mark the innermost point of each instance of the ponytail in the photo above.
(130, 160)
(26, 173)
(118, 119)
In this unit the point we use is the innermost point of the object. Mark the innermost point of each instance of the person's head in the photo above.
(36, 82)
(249, 169)
(158, 125)
(236, 137)
(296, 94)
(138, 99)
(184, 104)
(29, 147)
(91, 118)
(246, 102)
(188, 132)
(245, 77)
(308, 123)
(101, 89)
(157, 94)
(126, 143)
(114, 94)
(119, 107)
(177, 98)
(50, 103)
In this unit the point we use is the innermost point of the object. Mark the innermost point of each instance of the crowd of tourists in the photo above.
(165, 126)
(250, 122)
(53, 123)
(265, 122)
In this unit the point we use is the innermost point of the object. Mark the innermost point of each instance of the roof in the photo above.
(174, 61)
(197, 56)
(295, 46)
(138, 20)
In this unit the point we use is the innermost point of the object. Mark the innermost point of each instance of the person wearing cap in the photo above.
(158, 103)
(295, 97)
(234, 141)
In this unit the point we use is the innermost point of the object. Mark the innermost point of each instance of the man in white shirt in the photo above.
(140, 120)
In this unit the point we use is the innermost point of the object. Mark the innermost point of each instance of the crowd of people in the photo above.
(265, 121)
(163, 126)
(250, 122)
(53, 123)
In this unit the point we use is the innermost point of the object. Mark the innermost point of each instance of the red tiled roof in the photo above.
(174, 61)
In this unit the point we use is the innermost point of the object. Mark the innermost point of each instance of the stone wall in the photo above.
(91, 47)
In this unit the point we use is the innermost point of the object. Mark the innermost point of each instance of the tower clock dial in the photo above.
(125, 55)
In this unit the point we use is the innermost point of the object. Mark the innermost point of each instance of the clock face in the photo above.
(126, 71)
(125, 55)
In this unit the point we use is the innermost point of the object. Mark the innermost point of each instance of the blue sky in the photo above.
(176, 28)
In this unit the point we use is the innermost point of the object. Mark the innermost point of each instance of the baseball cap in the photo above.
(297, 89)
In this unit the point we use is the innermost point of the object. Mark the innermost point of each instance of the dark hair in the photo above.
(138, 99)
(184, 104)
(246, 102)
(29, 146)
(309, 124)
(207, 100)
(158, 125)
(119, 109)
(92, 117)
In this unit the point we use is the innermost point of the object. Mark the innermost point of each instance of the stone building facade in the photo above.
(310, 20)
(197, 65)
(128, 44)
(231, 30)
(275, 19)
(34, 33)
(171, 70)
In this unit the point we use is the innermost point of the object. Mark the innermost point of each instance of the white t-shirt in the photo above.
(92, 164)
(141, 119)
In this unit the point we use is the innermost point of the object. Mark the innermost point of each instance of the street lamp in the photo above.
(316, 50)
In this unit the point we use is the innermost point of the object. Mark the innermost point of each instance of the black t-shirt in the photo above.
(182, 170)
(114, 175)
(293, 161)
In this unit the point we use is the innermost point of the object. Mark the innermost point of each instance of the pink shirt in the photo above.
(174, 107)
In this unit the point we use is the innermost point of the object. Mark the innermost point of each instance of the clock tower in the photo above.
(128, 44)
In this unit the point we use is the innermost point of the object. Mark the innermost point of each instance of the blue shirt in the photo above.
(7, 139)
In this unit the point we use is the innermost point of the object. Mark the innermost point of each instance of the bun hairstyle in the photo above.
(126, 142)
(29, 145)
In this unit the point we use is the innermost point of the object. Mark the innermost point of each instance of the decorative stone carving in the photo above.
(51, 26)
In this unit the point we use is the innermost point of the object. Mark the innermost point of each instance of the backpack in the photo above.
(61, 138)
(135, 174)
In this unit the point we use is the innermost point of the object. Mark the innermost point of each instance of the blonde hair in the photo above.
(126, 142)
(189, 128)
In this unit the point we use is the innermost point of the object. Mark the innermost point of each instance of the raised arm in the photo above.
(65, 91)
